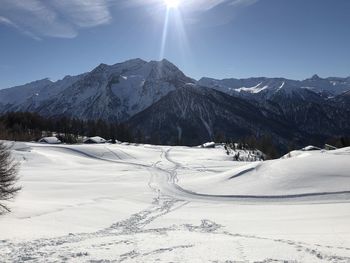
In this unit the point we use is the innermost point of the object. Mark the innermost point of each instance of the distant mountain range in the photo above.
(163, 105)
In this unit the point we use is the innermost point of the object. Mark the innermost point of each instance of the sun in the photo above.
(172, 3)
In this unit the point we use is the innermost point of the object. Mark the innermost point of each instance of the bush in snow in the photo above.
(243, 152)
(8, 178)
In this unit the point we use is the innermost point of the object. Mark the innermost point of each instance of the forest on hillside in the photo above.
(27, 126)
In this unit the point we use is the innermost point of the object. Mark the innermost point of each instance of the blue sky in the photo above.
(214, 38)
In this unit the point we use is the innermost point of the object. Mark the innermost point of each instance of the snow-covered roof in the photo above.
(208, 145)
(50, 140)
(95, 139)
(310, 148)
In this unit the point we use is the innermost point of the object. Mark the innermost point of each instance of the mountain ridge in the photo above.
(315, 107)
(313, 77)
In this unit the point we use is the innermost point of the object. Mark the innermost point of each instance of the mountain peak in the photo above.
(163, 61)
(315, 77)
(134, 61)
(100, 67)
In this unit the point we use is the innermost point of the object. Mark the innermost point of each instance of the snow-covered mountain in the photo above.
(264, 88)
(158, 99)
(195, 114)
(17, 96)
(332, 86)
(112, 93)
(306, 104)
(30, 97)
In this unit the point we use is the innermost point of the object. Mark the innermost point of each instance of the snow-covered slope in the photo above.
(105, 203)
(305, 172)
(111, 93)
(20, 94)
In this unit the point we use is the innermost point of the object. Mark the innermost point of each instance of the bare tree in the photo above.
(8, 178)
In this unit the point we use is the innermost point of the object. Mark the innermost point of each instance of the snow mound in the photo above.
(312, 172)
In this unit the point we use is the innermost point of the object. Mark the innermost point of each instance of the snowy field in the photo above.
(127, 203)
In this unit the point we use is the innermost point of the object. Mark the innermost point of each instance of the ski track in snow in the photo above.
(341, 195)
(129, 234)
(69, 247)
(74, 246)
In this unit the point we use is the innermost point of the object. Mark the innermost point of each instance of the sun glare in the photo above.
(172, 3)
(173, 24)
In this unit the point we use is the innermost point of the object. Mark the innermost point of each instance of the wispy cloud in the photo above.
(54, 18)
(64, 18)
(8, 22)
(4, 20)
(214, 12)
(206, 5)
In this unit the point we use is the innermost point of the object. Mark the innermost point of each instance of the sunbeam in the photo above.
(164, 34)
(172, 3)
(174, 24)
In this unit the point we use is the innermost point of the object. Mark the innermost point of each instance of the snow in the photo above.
(36, 92)
(311, 148)
(253, 86)
(320, 172)
(145, 203)
(50, 140)
(20, 94)
(114, 92)
(280, 87)
(95, 139)
(255, 89)
(133, 92)
(208, 145)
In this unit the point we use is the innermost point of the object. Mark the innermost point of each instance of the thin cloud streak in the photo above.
(84, 13)
(54, 18)
(5, 21)
(208, 13)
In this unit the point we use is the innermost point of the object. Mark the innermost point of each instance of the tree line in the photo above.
(273, 150)
(27, 126)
